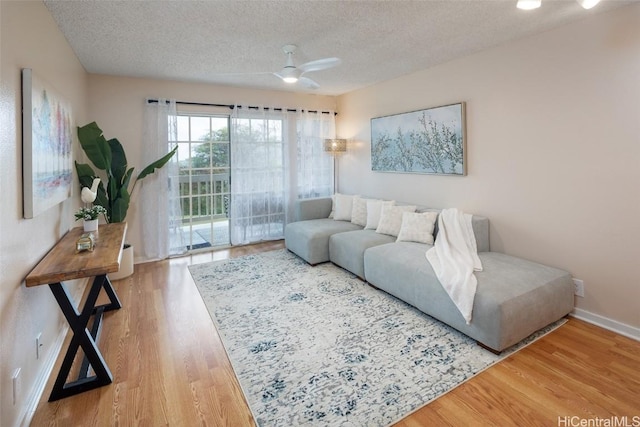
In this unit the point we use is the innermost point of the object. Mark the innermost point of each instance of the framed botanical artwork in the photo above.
(430, 141)
(47, 158)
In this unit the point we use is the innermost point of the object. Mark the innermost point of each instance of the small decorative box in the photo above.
(86, 242)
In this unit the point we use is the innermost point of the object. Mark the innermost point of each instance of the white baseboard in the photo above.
(41, 381)
(606, 323)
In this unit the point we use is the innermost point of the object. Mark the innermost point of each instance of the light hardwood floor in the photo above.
(170, 368)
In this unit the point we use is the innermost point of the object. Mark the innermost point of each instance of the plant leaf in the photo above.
(95, 145)
(112, 191)
(118, 160)
(157, 164)
(120, 206)
(85, 174)
(127, 179)
(102, 200)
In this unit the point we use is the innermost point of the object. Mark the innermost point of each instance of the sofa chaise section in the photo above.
(514, 297)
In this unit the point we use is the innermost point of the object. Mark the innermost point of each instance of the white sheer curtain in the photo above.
(160, 210)
(259, 175)
(314, 176)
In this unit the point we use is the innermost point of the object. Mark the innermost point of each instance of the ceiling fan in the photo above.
(292, 74)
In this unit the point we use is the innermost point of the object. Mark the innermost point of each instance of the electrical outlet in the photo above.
(578, 287)
(15, 380)
(38, 345)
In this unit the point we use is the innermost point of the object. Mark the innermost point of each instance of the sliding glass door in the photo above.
(239, 174)
(203, 154)
(259, 194)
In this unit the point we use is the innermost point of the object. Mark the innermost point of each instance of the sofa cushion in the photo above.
(417, 227)
(347, 249)
(374, 209)
(391, 219)
(359, 211)
(310, 239)
(514, 297)
(343, 207)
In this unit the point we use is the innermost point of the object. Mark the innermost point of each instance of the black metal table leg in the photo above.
(111, 293)
(83, 338)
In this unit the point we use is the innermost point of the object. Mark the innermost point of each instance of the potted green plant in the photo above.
(90, 216)
(109, 157)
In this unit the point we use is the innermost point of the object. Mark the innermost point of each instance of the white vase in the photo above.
(126, 264)
(91, 225)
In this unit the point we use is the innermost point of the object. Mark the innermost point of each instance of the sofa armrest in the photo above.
(312, 208)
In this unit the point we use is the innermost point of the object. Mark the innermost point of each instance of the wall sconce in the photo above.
(335, 147)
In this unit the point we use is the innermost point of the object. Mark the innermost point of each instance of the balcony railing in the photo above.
(204, 197)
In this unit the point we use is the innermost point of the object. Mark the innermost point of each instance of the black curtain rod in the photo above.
(289, 110)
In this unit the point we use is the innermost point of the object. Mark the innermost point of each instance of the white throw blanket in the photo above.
(454, 258)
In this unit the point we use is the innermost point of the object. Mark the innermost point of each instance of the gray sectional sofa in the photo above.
(514, 297)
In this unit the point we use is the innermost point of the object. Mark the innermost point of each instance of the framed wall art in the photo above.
(430, 141)
(46, 146)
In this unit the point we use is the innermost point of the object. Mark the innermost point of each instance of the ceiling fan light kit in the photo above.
(528, 4)
(291, 74)
(534, 4)
(588, 4)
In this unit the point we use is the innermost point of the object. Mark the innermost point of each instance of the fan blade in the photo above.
(319, 64)
(308, 83)
(257, 73)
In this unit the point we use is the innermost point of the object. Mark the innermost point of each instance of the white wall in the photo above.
(29, 39)
(553, 140)
(117, 105)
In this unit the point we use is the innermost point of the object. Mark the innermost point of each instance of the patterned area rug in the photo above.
(317, 346)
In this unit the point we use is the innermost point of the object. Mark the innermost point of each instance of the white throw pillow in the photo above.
(417, 227)
(391, 219)
(374, 208)
(343, 207)
(359, 211)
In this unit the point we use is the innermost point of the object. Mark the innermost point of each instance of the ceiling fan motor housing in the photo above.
(292, 74)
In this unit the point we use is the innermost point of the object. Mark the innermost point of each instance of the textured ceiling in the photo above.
(235, 42)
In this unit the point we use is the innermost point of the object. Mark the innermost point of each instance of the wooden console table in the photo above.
(63, 263)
